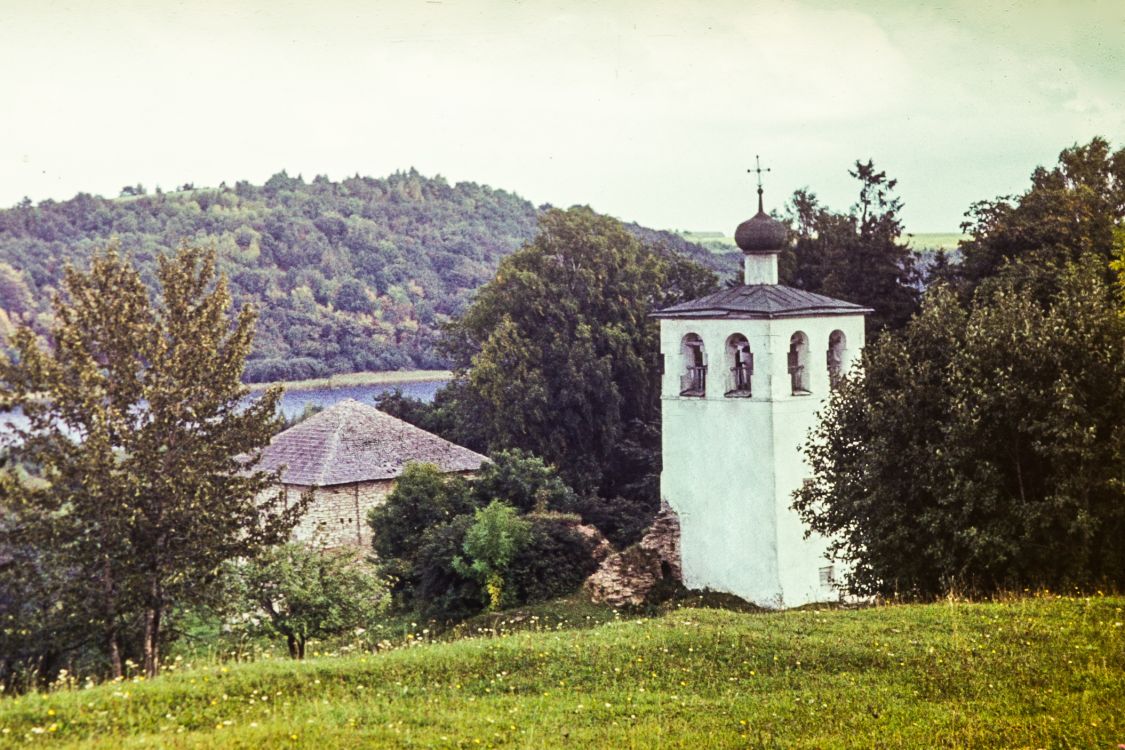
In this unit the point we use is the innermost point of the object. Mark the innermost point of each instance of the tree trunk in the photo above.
(292, 640)
(152, 641)
(48, 667)
(113, 641)
(301, 647)
(152, 631)
(113, 637)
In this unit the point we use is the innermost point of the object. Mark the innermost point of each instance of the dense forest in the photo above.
(354, 275)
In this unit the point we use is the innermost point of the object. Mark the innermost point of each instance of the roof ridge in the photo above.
(761, 301)
(333, 446)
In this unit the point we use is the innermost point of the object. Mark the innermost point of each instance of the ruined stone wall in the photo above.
(628, 577)
(337, 516)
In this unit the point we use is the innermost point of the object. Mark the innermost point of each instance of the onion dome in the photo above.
(762, 233)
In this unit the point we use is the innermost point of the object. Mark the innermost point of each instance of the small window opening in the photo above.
(693, 381)
(799, 363)
(828, 576)
(837, 346)
(740, 360)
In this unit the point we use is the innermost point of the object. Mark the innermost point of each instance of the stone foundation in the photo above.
(629, 576)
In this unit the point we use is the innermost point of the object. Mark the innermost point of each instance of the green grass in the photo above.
(359, 378)
(1040, 672)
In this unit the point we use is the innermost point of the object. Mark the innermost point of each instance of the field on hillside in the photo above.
(1042, 672)
(934, 240)
(717, 242)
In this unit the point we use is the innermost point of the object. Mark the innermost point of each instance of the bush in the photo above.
(422, 499)
(555, 561)
(523, 481)
(494, 539)
(304, 593)
(440, 591)
(623, 520)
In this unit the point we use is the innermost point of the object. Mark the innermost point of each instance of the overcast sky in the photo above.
(650, 111)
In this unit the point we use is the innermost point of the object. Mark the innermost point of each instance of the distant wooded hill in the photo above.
(349, 276)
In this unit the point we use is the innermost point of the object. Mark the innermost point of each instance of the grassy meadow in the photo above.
(1038, 672)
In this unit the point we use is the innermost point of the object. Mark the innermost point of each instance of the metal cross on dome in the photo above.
(758, 169)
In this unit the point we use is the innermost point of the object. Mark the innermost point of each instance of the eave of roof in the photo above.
(761, 301)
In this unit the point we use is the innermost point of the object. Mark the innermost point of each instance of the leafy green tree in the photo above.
(523, 481)
(310, 593)
(1070, 210)
(1118, 267)
(138, 425)
(14, 295)
(43, 611)
(856, 256)
(983, 447)
(491, 543)
(352, 297)
(556, 356)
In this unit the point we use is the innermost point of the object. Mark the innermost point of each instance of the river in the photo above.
(294, 402)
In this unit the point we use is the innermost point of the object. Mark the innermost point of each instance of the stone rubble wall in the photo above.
(337, 515)
(627, 578)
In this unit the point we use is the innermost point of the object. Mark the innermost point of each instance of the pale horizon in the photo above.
(650, 112)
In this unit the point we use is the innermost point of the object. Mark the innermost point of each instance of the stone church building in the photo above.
(350, 455)
(745, 371)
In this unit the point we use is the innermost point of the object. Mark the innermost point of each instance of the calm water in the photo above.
(293, 402)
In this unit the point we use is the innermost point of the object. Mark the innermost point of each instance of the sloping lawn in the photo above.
(1041, 672)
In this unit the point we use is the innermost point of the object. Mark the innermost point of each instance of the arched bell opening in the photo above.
(740, 367)
(693, 380)
(799, 363)
(837, 351)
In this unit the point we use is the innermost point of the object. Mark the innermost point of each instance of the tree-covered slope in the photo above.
(351, 275)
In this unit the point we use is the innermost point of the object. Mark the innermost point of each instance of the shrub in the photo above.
(439, 590)
(623, 520)
(306, 593)
(494, 539)
(555, 561)
(523, 481)
(423, 498)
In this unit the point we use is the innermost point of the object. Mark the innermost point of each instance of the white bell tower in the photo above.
(745, 371)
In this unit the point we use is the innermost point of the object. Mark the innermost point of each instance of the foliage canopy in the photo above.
(350, 275)
(137, 425)
(557, 356)
(856, 256)
(305, 592)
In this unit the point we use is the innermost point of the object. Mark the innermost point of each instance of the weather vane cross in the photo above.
(758, 169)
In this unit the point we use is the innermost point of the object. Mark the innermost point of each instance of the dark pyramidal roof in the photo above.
(353, 442)
(761, 301)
